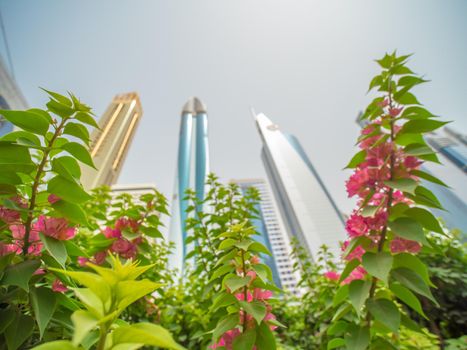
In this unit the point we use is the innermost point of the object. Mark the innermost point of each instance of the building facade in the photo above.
(110, 143)
(134, 190)
(192, 170)
(10, 98)
(272, 234)
(308, 211)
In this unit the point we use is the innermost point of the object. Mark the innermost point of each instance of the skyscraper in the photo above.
(308, 211)
(272, 234)
(10, 98)
(192, 171)
(110, 143)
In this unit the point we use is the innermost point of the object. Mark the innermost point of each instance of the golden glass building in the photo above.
(110, 143)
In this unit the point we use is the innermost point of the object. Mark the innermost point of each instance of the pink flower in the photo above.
(124, 248)
(332, 275)
(123, 223)
(384, 103)
(35, 245)
(227, 339)
(6, 249)
(411, 162)
(9, 216)
(58, 286)
(260, 294)
(53, 198)
(82, 261)
(394, 112)
(401, 245)
(99, 257)
(241, 296)
(39, 271)
(357, 274)
(254, 260)
(357, 182)
(55, 227)
(356, 226)
(112, 233)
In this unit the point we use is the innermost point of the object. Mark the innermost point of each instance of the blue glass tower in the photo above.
(192, 170)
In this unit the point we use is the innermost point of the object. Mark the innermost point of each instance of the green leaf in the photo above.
(77, 130)
(336, 343)
(245, 341)
(341, 295)
(57, 345)
(15, 158)
(79, 152)
(425, 218)
(44, 303)
(338, 328)
(84, 322)
(236, 282)
(425, 197)
(55, 247)
(407, 99)
(265, 339)
(225, 324)
(60, 98)
(18, 331)
(405, 185)
(28, 121)
(127, 292)
(385, 312)
(67, 167)
(6, 317)
(356, 160)
(386, 61)
(221, 271)
(72, 212)
(421, 126)
(413, 281)
(416, 149)
(256, 308)
(369, 210)
(400, 70)
(67, 190)
(86, 118)
(378, 264)
(409, 229)
(244, 244)
(412, 262)
(428, 177)
(60, 109)
(224, 299)
(358, 338)
(349, 267)
(260, 248)
(416, 112)
(358, 293)
(16, 135)
(410, 80)
(145, 333)
(405, 295)
(20, 274)
(263, 271)
(227, 243)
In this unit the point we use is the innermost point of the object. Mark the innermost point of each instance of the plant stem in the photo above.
(245, 291)
(36, 183)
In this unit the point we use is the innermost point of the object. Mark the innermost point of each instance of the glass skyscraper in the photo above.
(192, 170)
(308, 211)
(272, 234)
(10, 98)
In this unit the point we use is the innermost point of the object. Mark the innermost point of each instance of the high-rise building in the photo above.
(308, 211)
(271, 233)
(10, 98)
(192, 171)
(110, 143)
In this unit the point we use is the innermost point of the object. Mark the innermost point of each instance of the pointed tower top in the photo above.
(194, 106)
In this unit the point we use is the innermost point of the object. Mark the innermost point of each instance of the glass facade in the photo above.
(307, 209)
(192, 170)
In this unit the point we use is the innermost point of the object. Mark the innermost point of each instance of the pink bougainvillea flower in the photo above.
(357, 274)
(99, 257)
(55, 227)
(411, 162)
(227, 339)
(39, 271)
(261, 294)
(58, 286)
(241, 296)
(82, 261)
(356, 226)
(384, 103)
(357, 183)
(112, 233)
(402, 245)
(35, 245)
(9, 216)
(123, 223)
(332, 275)
(124, 248)
(394, 112)
(254, 260)
(53, 198)
(357, 253)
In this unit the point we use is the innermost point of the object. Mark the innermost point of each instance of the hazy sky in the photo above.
(305, 64)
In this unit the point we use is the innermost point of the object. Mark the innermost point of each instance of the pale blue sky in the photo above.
(305, 64)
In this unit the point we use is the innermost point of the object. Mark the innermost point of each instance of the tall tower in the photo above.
(308, 211)
(10, 98)
(192, 171)
(272, 234)
(110, 143)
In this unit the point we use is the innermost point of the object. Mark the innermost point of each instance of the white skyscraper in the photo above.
(308, 211)
(273, 235)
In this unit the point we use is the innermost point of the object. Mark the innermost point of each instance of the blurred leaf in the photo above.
(79, 152)
(44, 303)
(378, 264)
(358, 293)
(55, 248)
(20, 274)
(245, 341)
(27, 121)
(385, 312)
(67, 190)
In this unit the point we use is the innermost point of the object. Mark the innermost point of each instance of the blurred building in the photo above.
(134, 190)
(111, 142)
(272, 234)
(10, 98)
(308, 211)
(191, 173)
